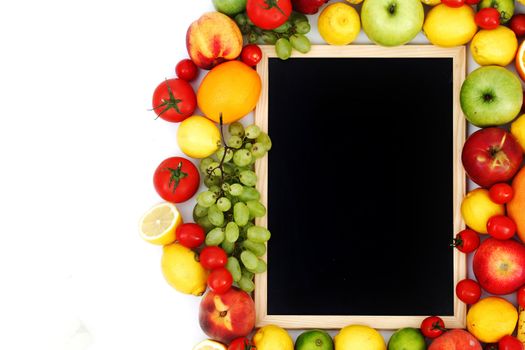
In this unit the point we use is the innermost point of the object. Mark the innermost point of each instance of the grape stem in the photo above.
(221, 163)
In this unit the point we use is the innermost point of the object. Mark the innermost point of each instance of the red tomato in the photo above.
(468, 291)
(186, 70)
(251, 54)
(432, 327)
(453, 3)
(501, 193)
(501, 227)
(268, 14)
(508, 342)
(190, 235)
(517, 24)
(487, 18)
(220, 280)
(176, 179)
(213, 257)
(174, 100)
(521, 297)
(472, 2)
(241, 344)
(466, 241)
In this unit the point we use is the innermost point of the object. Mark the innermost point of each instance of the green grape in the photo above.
(234, 267)
(283, 48)
(258, 150)
(199, 211)
(269, 38)
(228, 247)
(242, 157)
(214, 237)
(256, 208)
(236, 129)
(296, 17)
(247, 274)
(249, 194)
(234, 142)
(231, 232)
(220, 153)
(300, 43)
(260, 268)
(248, 145)
(257, 234)
(256, 248)
(249, 21)
(302, 27)
(224, 204)
(205, 223)
(206, 199)
(252, 38)
(265, 140)
(225, 187)
(228, 168)
(241, 19)
(248, 178)
(252, 132)
(236, 189)
(246, 285)
(203, 165)
(212, 181)
(214, 169)
(215, 216)
(241, 214)
(283, 28)
(249, 260)
(215, 189)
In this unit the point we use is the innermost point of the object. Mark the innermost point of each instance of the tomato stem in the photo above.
(172, 102)
(175, 176)
(271, 4)
(437, 326)
(457, 242)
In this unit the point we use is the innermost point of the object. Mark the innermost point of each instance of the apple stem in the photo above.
(392, 8)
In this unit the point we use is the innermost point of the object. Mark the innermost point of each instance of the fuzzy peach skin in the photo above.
(212, 39)
(455, 339)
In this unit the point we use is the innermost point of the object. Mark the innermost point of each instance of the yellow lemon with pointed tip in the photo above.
(450, 26)
(477, 208)
(339, 24)
(358, 337)
(496, 46)
(492, 318)
(182, 270)
(272, 338)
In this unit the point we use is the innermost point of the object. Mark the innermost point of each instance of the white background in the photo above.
(78, 149)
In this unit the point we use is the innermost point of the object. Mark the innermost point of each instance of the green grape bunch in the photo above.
(290, 35)
(228, 208)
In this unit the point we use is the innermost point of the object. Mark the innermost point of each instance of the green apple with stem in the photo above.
(491, 95)
(392, 22)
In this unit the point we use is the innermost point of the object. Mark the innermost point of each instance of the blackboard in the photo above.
(360, 187)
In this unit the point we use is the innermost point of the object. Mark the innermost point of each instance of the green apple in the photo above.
(392, 22)
(407, 339)
(505, 8)
(230, 7)
(491, 95)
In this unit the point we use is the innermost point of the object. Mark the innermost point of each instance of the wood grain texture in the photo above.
(458, 54)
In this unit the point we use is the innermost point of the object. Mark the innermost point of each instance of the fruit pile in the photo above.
(224, 247)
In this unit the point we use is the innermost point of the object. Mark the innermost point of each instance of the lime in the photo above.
(407, 339)
(314, 340)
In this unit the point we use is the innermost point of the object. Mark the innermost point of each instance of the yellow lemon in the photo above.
(182, 270)
(449, 26)
(198, 137)
(209, 345)
(357, 337)
(517, 128)
(431, 2)
(339, 24)
(492, 318)
(159, 223)
(272, 338)
(497, 46)
(477, 208)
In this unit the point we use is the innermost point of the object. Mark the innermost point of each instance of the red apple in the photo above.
(490, 156)
(455, 339)
(227, 316)
(499, 266)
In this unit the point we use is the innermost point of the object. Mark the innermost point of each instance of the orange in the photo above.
(520, 61)
(232, 88)
(516, 207)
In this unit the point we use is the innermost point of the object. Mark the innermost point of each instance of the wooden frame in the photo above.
(459, 132)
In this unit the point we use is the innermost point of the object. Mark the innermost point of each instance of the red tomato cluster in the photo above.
(214, 258)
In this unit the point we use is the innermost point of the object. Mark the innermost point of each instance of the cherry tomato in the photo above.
(501, 227)
(453, 3)
(190, 235)
(251, 54)
(186, 70)
(521, 297)
(432, 327)
(174, 100)
(220, 280)
(241, 344)
(508, 342)
(213, 257)
(517, 24)
(466, 241)
(176, 179)
(468, 291)
(501, 193)
(487, 18)
(268, 14)
(472, 2)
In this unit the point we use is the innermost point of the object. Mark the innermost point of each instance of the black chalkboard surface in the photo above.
(360, 186)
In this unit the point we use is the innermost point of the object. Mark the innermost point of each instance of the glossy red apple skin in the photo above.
(490, 156)
(499, 266)
(227, 316)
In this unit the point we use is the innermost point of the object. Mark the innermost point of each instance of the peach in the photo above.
(212, 39)
(456, 339)
(516, 207)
